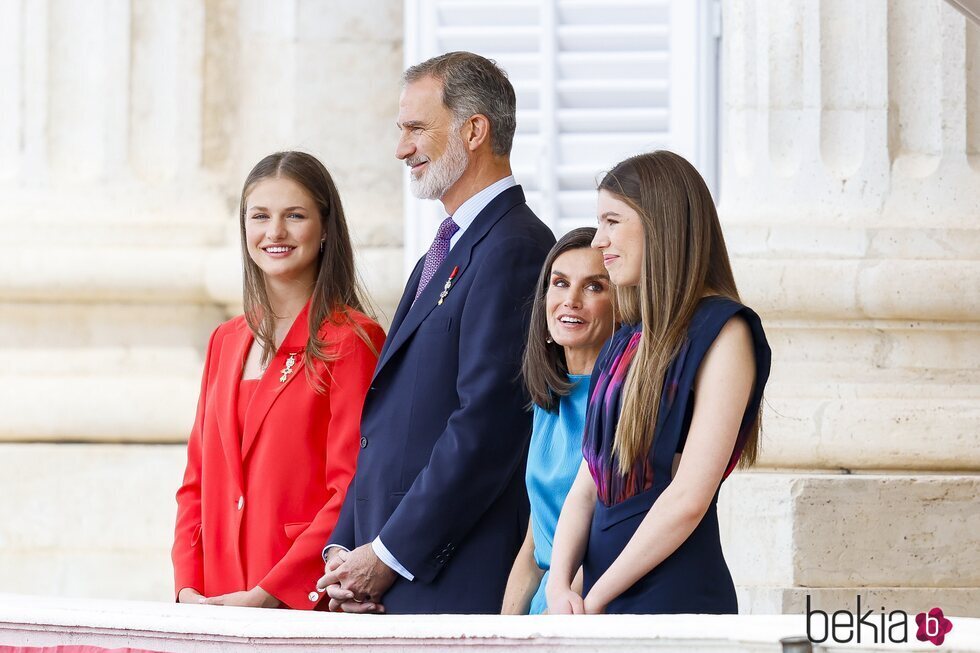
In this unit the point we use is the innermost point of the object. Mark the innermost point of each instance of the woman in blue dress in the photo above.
(571, 319)
(674, 405)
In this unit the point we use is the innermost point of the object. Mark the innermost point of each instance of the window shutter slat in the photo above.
(594, 84)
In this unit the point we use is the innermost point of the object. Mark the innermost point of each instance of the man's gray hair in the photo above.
(473, 84)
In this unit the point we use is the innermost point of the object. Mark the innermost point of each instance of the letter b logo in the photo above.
(933, 626)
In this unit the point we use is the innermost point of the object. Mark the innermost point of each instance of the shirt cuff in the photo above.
(385, 555)
(332, 546)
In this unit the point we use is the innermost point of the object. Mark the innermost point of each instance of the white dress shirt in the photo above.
(468, 210)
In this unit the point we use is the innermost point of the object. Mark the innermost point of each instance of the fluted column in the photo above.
(127, 129)
(131, 127)
(850, 195)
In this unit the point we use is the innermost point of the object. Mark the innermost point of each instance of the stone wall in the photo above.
(128, 127)
(851, 199)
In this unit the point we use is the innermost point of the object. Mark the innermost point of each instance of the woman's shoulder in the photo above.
(348, 325)
(720, 318)
(350, 315)
(233, 327)
(233, 330)
(714, 311)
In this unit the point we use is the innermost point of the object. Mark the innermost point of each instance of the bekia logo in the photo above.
(844, 626)
(933, 626)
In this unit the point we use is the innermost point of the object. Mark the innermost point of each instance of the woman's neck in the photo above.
(580, 360)
(287, 299)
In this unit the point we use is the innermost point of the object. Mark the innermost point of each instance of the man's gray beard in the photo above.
(442, 172)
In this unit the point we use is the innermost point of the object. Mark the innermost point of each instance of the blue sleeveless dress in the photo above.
(694, 578)
(553, 461)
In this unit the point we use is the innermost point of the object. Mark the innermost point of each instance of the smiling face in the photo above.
(579, 302)
(429, 144)
(283, 230)
(619, 238)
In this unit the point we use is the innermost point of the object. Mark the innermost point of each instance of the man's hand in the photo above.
(364, 575)
(253, 598)
(334, 578)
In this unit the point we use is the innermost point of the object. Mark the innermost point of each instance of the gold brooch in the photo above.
(286, 371)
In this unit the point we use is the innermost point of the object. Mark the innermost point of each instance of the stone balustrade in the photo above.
(35, 621)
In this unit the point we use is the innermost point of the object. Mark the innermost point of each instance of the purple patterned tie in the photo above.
(438, 251)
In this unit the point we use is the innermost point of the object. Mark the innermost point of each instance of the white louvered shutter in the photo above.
(596, 81)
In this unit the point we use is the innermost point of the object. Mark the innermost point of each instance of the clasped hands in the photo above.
(355, 581)
(565, 600)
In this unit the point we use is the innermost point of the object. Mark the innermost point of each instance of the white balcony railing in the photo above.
(34, 621)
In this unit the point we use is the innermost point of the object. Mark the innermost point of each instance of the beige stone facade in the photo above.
(851, 199)
(850, 195)
(127, 130)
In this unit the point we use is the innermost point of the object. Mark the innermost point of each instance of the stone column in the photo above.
(324, 77)
(850, 195)
(128, 127)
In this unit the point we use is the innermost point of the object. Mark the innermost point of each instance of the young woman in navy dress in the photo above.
(674, 405)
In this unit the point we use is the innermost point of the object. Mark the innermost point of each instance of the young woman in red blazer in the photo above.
(275, 441)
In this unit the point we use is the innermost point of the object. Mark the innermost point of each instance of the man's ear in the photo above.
(476, 131)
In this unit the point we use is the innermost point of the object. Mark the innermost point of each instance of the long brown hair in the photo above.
(684, 259)
(337, 288)
(544, 368)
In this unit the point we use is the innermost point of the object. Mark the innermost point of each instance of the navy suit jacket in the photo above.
(445, 425)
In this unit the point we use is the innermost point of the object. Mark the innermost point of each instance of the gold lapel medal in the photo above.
(449, 285)
(286, 371)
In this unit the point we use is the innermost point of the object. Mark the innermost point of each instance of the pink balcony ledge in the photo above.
(35, 621)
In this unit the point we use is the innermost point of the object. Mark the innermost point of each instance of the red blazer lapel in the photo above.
(276, 379)
(234, 348)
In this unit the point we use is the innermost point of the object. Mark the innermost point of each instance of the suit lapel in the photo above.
(408, 297)
(458, 256)
(404, 304)
(234, 348)
(275, 381)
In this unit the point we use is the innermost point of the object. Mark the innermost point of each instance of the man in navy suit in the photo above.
(437, 509)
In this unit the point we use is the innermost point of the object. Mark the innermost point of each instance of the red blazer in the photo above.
(256, 508)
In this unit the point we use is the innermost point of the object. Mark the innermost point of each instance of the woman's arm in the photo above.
(186, 553)
(571, 536)
(525, 576)
(722, 389)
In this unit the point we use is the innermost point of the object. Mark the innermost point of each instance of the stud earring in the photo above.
(548, 340)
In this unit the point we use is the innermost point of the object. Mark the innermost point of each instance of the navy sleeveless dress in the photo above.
(695, 578)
